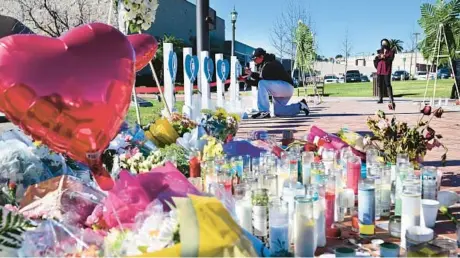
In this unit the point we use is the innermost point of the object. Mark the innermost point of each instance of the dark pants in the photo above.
(385, 81)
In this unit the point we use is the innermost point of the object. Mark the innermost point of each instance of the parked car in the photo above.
(364, 78)
(398, 75)
(421, 75)
(444, 73)
(353, 76)
(328, 79)
(341, 79)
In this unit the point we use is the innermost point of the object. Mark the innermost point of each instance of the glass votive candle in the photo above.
(345, 252)
(279, 226)
(388, 249)
(447, 244)
(394, 226)
(270, 182)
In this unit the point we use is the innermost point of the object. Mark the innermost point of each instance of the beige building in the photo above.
(365, 64)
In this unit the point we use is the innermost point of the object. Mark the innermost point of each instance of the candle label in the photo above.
(260, 221)
(429, 186)
(366, 210)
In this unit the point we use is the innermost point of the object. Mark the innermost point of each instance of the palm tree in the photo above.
(396, 45)
(432, 16)
(444, 14)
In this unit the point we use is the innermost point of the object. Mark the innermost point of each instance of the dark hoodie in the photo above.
(270, 69)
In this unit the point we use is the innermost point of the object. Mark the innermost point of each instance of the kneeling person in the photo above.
(272, 79)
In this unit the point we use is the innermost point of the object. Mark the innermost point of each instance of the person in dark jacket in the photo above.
(383, 62)
(271, 78)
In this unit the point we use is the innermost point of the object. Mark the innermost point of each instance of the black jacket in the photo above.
(269, 69)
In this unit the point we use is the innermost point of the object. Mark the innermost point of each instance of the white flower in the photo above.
(145, 26)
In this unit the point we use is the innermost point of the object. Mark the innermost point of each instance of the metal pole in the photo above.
(202, 31)
(416, 41)
(233, 38)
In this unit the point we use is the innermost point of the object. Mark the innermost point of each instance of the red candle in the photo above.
(353, 173)
(330, 206)
(195, 167)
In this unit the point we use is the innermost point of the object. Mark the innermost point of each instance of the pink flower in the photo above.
(128, 138)
(11, 208)
(429, 146)
(436, 143)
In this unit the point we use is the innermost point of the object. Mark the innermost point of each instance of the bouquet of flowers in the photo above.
(136, 162)
(181, 123)
(140, 14)
(392, 137)
(220, 123)
(213, 148)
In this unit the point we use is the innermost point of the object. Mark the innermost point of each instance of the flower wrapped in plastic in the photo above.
(19, 164)
(209, 231)
(54, 239)
(161, 133)
(193, 141)
(219, 123)
(181, 123)
(133, 193)
(63, 198)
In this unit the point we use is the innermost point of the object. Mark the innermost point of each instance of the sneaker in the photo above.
(380, 102)
(304, 107)
(261, 115)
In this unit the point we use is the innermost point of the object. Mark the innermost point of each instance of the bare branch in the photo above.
(278, 38)
(347, 47)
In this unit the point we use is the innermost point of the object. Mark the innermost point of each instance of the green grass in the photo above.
(400, 89)
(149, 114)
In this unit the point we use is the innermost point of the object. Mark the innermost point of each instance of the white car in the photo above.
(341, 79)
(420, 75)
(328, 79)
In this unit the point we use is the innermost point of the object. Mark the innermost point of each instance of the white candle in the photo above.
(243, 210)
(410, 214)
(320, 218)
(304, 235)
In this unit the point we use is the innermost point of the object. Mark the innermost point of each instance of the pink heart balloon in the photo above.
(72, 93)
(145, 46)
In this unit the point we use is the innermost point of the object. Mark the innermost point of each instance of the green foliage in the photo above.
(305, 42)
(11, 229)
(432, 15)
(396, 45)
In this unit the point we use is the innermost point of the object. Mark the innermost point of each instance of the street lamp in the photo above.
(234, 16)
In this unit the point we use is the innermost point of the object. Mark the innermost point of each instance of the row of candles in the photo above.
(295, 201)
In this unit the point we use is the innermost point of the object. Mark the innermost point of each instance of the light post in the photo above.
(234, 16)
(404, 65)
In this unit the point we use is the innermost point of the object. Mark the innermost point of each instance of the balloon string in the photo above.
(154, 74)
(110, 12)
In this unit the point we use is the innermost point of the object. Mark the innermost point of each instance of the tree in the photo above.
(346, 50)
(396, 45)
(433, 16)
(54, 17)
(306, 55)
(290, 17)
(278, 38)
(339, 56)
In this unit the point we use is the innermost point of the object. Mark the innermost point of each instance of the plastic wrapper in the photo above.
(124, 201)
(20, 165)
(210, 231)
(133, 193)
(243, 148)
(193, 140)
(161, 133)
(154, 230)
(330, 141)
(355, 140)
(54, 239)
(65, 198)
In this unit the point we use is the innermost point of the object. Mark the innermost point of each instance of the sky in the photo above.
(367, 22)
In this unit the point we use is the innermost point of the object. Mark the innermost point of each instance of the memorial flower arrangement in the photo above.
(182, 124)
(220, 124)
(140, 14)
(391, 136)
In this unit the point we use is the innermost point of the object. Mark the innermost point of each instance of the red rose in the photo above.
(426, 110)
(12, 185)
